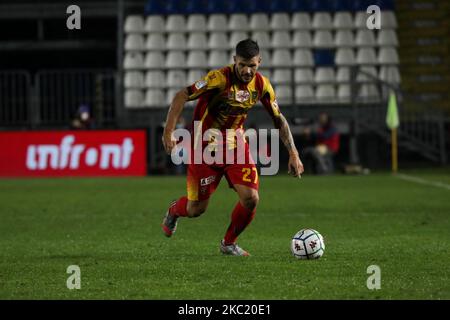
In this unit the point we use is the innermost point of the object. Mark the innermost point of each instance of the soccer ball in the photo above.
(307, 244)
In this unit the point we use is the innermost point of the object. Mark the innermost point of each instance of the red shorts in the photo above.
(203, 179)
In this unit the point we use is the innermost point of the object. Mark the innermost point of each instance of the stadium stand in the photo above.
(307, 42)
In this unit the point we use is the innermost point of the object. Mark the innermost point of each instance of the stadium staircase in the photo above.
(423, 95)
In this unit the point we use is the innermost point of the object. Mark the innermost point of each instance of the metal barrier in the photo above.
(61, 92)
(422, 127)
(14, 98)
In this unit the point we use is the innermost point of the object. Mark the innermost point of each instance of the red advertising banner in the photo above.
(73, 153)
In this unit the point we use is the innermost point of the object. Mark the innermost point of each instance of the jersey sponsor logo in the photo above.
(200, 84)
(242, 95)
(207, 181)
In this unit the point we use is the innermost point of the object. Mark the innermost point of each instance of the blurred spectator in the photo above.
(83, 119)
(324, 145)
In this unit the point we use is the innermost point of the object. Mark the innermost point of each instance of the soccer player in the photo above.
(225, 96)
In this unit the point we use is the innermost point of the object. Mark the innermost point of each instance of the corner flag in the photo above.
(392, 121)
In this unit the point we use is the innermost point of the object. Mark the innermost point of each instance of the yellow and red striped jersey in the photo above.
(224, 100)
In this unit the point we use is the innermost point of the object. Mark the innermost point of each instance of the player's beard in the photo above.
(246, 78)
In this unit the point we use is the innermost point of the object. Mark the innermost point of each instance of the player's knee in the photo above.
(251, 201)
(196, 210)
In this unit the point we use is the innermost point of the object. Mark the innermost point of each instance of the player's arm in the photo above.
(213, 80)
(295, 165)
(175, 110)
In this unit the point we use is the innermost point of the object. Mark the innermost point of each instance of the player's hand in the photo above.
(168, 141)
(295, 165)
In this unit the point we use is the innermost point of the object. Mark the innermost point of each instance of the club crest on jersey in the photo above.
(242, 95)
(200, 84)
(254, 95)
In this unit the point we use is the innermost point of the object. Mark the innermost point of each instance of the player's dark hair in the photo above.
(247, 49)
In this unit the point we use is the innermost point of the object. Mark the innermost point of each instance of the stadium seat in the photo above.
(390, 74)
(176, 23)
(281, 57)
(284, 94)
(218, 41)
(387, 38)
(196, 7)
(344, 38)
(367, 69)
(388, 55)
(280, 21)
(176, 79)
(360, 21)
(323, 39)
(345, 57)
(343, 20)
(155, 42)
(280, 40)
(282, 76)
(196, 59)
(134, 24)
(266, 58)
(171, 94)
(134, 42)
(155, 79)
(320, 5)
(196, 22)
(301, 21)
(344, 92)
(263, 39)
(176, 41)
(237, 36)
(154, 7)
(134, 98)
(197, 41)
(259, 22)
(343, 74)
(155, 98)
(265, 72)
(388, 20)
(175, 59)
(218, 59)
(217, 22)
(155, 23)
(238, 22)
(304, 93)
(365, 38)
(304, 75)
(133, 60)
(134, 80)
(302, 39)
(195, 75)
(172, 7)
(154, 60)
(366, 56)
(322, 20)
(303, 58)
(324, 75)
(324, 57)
(369, 92)
(325, 92)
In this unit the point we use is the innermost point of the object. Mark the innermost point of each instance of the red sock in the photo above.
(240, 219)
(179, 208)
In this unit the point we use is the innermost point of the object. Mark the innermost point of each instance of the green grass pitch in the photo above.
(110, 228)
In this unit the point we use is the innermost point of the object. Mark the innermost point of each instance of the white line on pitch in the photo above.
(423, 181)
